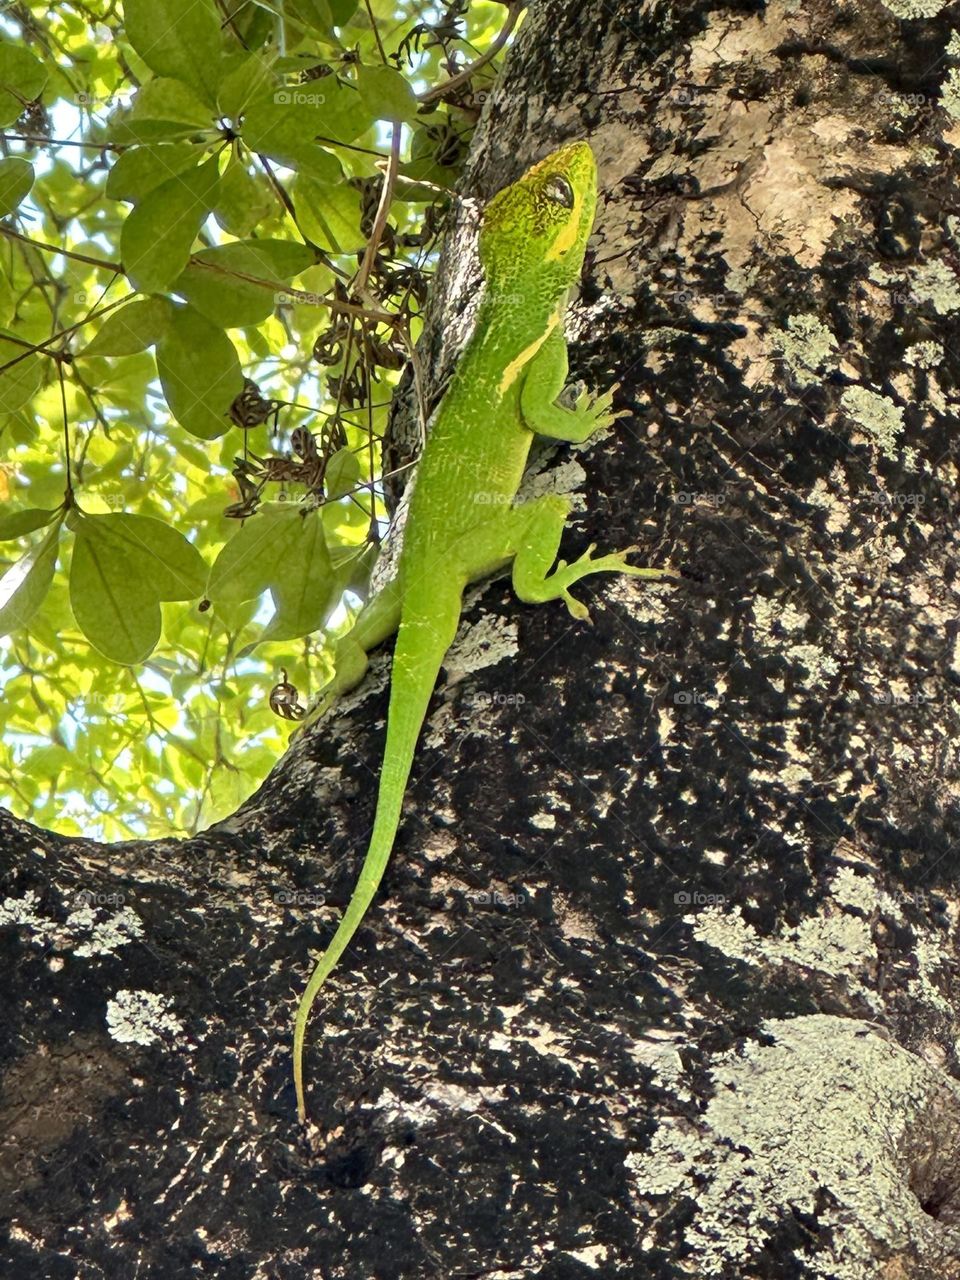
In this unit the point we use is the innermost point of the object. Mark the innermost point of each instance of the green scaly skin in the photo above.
(463, 523)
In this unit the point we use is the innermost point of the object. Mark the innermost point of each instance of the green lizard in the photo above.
(463, 522)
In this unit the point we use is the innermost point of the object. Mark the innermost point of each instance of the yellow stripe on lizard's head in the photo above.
(543, 220)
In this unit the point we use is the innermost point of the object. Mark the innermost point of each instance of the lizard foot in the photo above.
(566, 574)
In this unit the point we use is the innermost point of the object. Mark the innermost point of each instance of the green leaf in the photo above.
(242, 200)
(157, 237)
(132, 328)
(321, 16)
(22, 79)
(8, 298)
(315, 15)
(178, 38)
(14, 524)
(162, 110)
(354, 566)
(343, 10)
(199, 371)
(287, 121)
(255, 26)
(254, 557)
(424, 165)
(252, 77)
(115, 607)
(21, 382)
(346, 523)
(16, 179)
(305, 589)
(230, 302)
(342, 474)
(127, 383)
(159, 554)
(141, 169)
(386, 94)
(25, 584)
(329, 214)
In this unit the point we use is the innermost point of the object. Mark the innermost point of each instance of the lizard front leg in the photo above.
(543, 380)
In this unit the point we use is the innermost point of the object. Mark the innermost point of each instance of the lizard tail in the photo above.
(417, 659)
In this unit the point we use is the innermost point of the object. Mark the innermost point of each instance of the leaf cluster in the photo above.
(216, 228)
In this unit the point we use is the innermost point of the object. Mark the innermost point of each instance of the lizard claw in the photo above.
(577, 608)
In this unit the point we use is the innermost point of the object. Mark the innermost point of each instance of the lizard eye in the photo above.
(559, 191)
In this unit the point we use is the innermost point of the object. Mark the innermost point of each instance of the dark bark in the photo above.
(709, 1027)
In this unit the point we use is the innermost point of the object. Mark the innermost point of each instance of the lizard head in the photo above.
(536, 230)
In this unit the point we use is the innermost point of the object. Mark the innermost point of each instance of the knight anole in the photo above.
(463, 521)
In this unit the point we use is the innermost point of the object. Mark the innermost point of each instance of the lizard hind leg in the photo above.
(375, 622)
(531, 534)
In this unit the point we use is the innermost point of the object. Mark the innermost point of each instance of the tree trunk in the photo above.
(662, 977)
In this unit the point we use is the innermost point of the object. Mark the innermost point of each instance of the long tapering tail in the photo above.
(421, 645)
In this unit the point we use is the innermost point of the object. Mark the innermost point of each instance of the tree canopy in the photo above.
(217, 228)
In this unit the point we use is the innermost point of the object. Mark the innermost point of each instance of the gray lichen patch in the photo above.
(807, 346)
(104, 936)
(877, 416)
(89, 930)
(858, 891)
(837, 941)
(543, 821)
(23, 913)
(935, 283)
(833, 497)
(950, 93)
(774, 620)
(659, 1051)
(574, 923)
(479, 645)
(831, 943)
(820, 1122)
(141, 1017)
(567, 477)
(915, 8)
(924, 355)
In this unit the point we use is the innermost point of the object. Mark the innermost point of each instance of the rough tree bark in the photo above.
(709, 1026)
